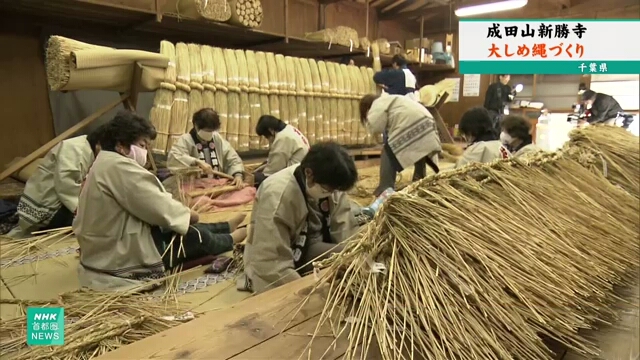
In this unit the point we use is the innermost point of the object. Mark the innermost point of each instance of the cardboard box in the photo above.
(415, 43)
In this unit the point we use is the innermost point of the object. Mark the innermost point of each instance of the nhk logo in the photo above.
(45, 326)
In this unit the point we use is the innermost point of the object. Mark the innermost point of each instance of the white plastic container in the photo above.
(552, 131)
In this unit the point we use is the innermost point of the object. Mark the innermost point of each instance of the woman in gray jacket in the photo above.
(412, 136)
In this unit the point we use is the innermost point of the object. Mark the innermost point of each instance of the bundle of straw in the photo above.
(281, 68)
(284, 108)
(311, 120)
(183, 64)
(102, 322)
(169, 50)
(302, 114)
(324, 77)
(208, 97)
(246, 13)
(308, 79)
(343, 113)
(208, 66)
(324, 35)
(427, 279)
(160, 116)
(346, 79)
(255, 113)
(243, 71)
(253, 72)
(365, 44)
(233, 73)
(273, 74)
(322, 113)
(290, 69)
(222, 108)
(195, 65)
(331, 127)
(375, 51)
(274, 105)
(293, 111)
(333, 81)
(180, 113)
(263, 72)
(383, 45)
(214, 10)
(58, 59)
(264, 109)
(244, 124)
(233, 118)
(299, 77)
(220, 70)
(315, 77)
(617, 152)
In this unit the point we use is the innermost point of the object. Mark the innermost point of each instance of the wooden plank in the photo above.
(222, 335)
(48, 146)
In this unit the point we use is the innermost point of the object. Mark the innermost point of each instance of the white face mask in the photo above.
(205, 135)
(317, 192)
(505, 138)
(138, 154)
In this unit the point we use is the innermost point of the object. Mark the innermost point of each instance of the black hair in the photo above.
(365, 106)
(268, 122)
(331, 165)
(206, 118)
(588, 95)
(477, 123)
(95, 137)
(518, 127)
(399, 60)
(501, 75)
(125, 129)
(345, 60)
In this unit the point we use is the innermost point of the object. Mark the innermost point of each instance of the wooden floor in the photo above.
(264, 327)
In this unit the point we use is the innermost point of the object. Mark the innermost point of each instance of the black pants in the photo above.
(216, 239)
(390, 167)
(62, 218)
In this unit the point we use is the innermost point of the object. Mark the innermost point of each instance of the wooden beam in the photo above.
(286, 21)
(396, 4)
(42, 150)
(375, 3)
(327, 2)
(427, 12)
(366, 24)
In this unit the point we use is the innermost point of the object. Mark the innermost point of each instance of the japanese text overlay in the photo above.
(547, 46)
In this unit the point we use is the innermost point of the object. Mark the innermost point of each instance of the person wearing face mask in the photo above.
(204, 147)
(413, 138)
(604, 108)
(300, 213)
(130, 230)
(516, 136)
(483, 144)
(51, 194)
(287, 146)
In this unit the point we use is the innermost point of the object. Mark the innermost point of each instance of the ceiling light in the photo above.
(490, 8)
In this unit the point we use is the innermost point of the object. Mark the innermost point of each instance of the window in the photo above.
(624, 88)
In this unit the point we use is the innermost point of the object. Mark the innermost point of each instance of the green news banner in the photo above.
(45, 326)
(547, 46)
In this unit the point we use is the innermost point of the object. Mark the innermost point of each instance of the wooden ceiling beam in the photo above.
(426, 11)
(396, 4)
(327, 2)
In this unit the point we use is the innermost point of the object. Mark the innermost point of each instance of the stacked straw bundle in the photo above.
(617, 154)
(160, 115)
(481, 262)
(74, 65)
(341, 35)
(246, 13)
(214, 10)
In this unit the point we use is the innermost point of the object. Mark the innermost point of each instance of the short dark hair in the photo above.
(125, 129)
(331, 166)
(206, 118)
(477, 123)
(501, 75)
(365, 104)
(517, 126)
(345, 60)
(399, 60)
(588, 95)
(269, 122)
(94, 137)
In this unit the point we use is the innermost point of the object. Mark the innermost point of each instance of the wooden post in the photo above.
(19, 165)
(321, 18)
(158, 9)
(366, 24)
(132, 102)
(445, 136)
(535, 84)
(421, 39)
(286, 21)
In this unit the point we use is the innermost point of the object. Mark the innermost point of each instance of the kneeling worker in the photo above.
(204, 147)
(287, 146)
(299, 213)
(51, 195)
(516, 136)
